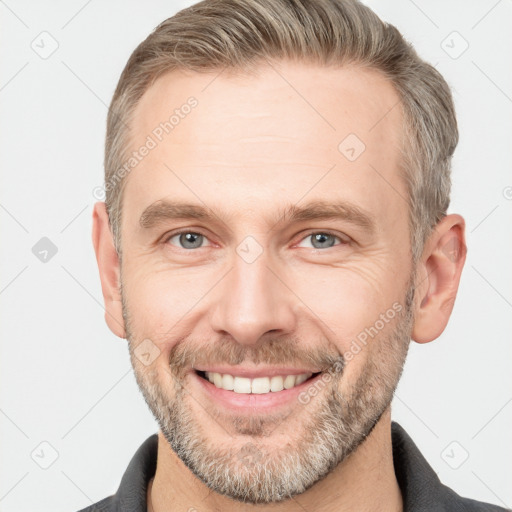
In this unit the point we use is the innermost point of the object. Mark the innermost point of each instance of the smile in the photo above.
(258, 385)
(252, 389)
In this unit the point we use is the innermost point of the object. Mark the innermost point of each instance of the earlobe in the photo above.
(438, 278)
(109, 269)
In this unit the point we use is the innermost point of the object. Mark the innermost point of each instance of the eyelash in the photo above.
(341, 240)
(324, 232)
(167, 237)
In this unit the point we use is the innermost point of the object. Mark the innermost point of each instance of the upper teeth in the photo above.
(258, 385)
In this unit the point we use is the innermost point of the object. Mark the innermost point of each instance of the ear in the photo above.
(108, 265)
(439, 271)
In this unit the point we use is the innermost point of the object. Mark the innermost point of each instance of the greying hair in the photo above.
(239, 34)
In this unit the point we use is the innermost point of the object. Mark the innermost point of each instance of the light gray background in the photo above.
(66, 381)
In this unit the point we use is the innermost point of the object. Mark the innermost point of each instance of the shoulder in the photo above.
(457, 503)
(131, 494)
(420, 486)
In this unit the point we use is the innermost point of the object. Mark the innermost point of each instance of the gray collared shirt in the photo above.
(421, 489)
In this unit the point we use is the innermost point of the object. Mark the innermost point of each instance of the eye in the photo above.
(320, 240)
(188, 240)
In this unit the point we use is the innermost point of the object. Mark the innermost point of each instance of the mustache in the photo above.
(186, 354)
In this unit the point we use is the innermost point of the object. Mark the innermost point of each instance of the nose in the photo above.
(253, 301)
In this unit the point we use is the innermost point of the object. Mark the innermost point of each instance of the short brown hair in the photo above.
(218, 34)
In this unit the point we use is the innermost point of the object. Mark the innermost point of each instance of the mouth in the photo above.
(258, 385)
(261, 394)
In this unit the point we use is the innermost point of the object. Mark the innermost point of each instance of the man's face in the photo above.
(266, 249)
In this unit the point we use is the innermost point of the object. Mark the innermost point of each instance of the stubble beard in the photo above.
(249, 467)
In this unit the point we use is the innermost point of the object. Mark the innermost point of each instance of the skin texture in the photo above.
(251, 148)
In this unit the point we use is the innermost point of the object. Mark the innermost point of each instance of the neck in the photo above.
(364, 481)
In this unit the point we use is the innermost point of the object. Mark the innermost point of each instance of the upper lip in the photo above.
(255, 372)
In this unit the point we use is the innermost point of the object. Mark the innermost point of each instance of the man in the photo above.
(277, 177)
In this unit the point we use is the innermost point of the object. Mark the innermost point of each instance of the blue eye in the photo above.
(188, 240)
(320, 240)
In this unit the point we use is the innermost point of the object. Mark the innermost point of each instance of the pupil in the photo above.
(191, 240)
(321, 240)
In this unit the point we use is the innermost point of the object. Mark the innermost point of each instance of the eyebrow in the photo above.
(164, 210)
(323, 210)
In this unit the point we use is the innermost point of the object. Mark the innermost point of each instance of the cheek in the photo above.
(346, 300)
(162, 301)
(357, 308)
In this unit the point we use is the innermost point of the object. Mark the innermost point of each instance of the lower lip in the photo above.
(252, 401)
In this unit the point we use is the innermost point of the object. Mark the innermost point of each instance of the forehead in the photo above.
(285, 129)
